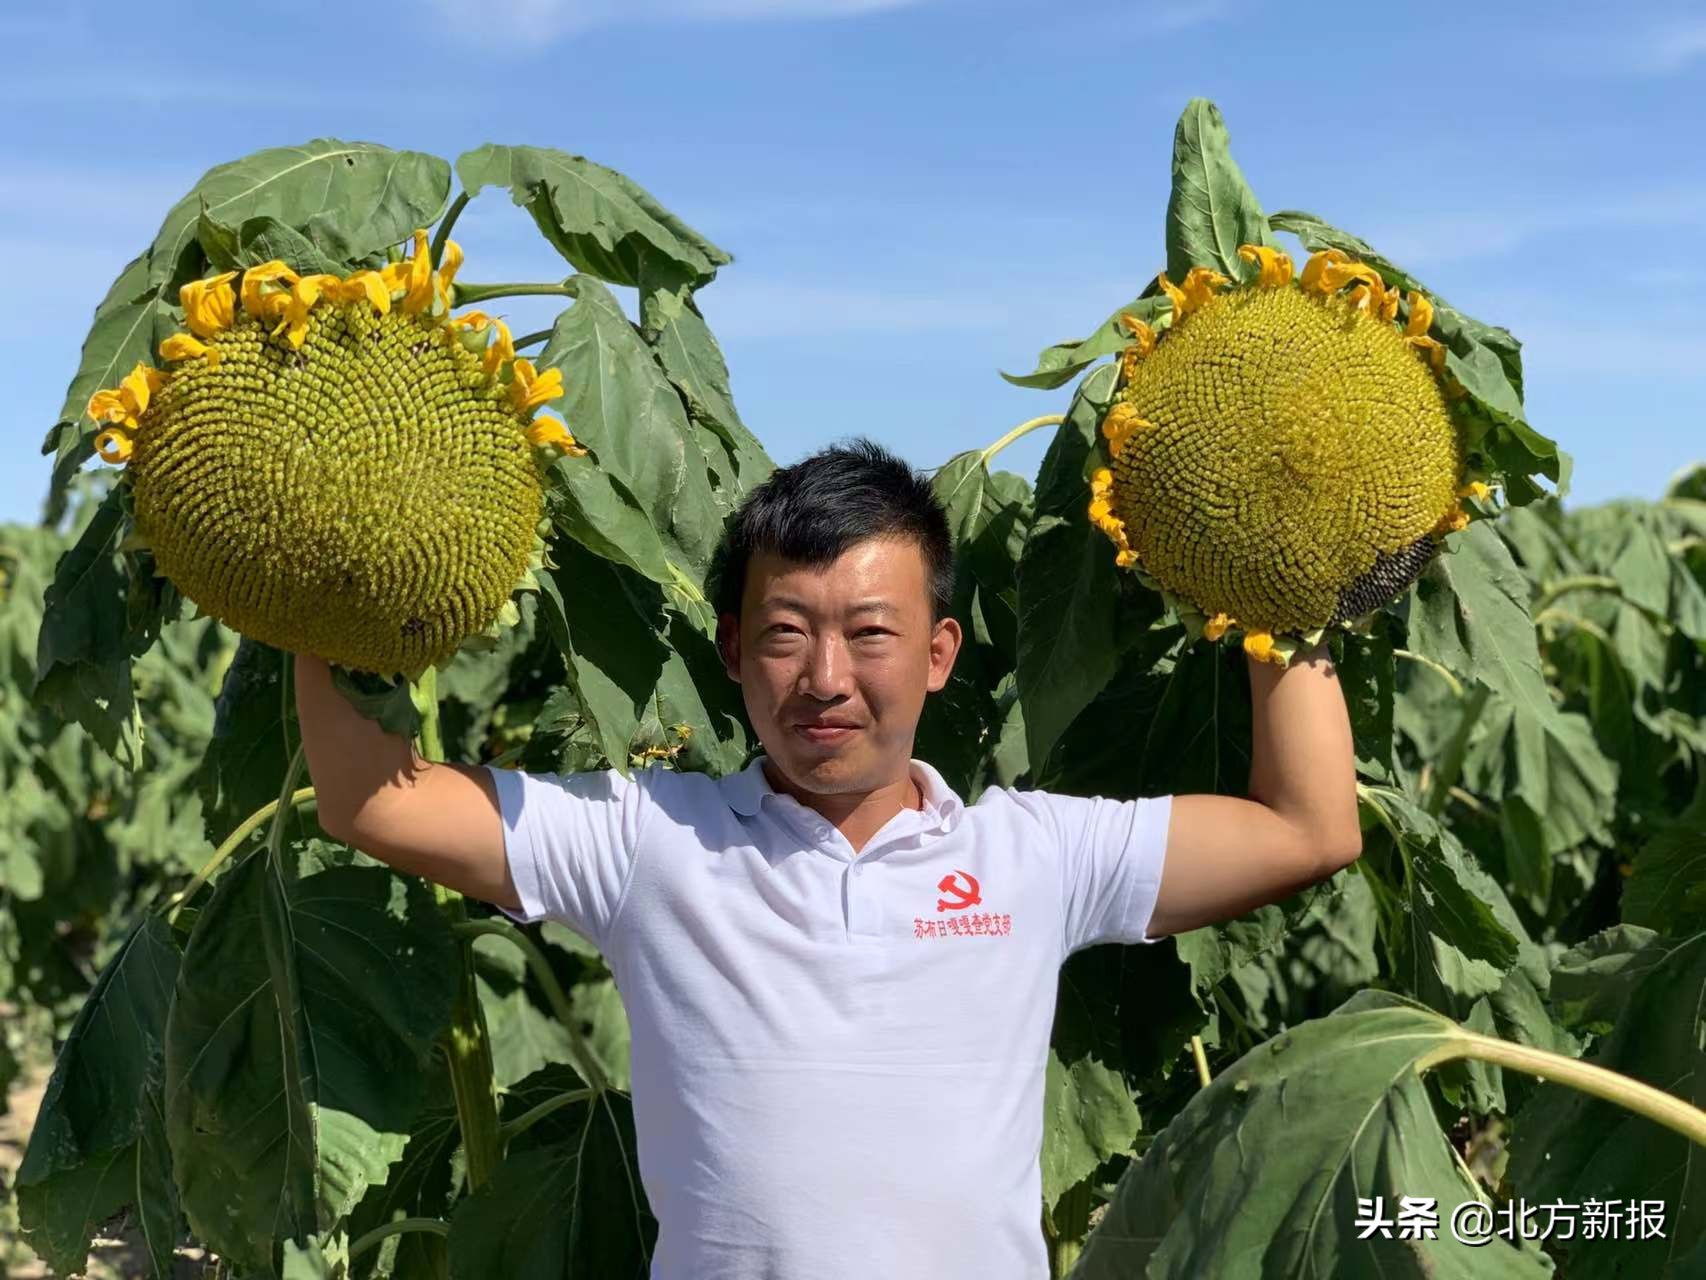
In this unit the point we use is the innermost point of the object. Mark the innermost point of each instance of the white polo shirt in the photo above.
(837, 1059)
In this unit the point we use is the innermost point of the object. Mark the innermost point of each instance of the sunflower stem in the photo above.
(528, 340)
(590, 1071)
(1201, 1059)
(380, 1234)
(1438, 668)
(467, 293)
(1599, 1082)
(448, 221)
(244, 830)
(1456, 748)
(527, 1119)
(1024, 428)
(1581, 582)
(466, 1041)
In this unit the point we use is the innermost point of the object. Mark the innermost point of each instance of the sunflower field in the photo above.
(268, 1055)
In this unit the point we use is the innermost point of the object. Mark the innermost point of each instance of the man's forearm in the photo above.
(1302, 761)
(351, 758)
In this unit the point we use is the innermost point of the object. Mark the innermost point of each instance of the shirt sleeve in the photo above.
(1111, 854)
(570, 841)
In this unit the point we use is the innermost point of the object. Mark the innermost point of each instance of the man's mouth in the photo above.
(825, 731)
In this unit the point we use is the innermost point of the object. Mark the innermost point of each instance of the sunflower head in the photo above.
(1282, 455)
(330, 466)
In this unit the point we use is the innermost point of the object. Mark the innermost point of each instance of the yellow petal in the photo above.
(303, 295)
(1274, 266)
(1421, 316)
(210, 306)
(500, 351)
(1175, 295)
(546, 430)
(362, 286)
(138, 387)
(266, 290)
(113, 445)
(182, 346)
(1118, 426)
(1143, 337)
(1316, 267)
(1260, 646)
(419, 293)
(1200, 285)
(531, 389)
(107, 406)
(1452, 521)
(1216, 626)
(1331, 270)
(475, 320)
(1475, 489)
(447, 268)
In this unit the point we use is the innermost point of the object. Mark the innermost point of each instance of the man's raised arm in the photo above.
(1225, 855)
(375, 793)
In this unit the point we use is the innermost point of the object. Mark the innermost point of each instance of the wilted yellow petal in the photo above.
(1216, 626)
(138, 386)
(361, 286)
(1421, 316)
(1201, 284)
(1475, 489)
(108, 406)
(1117, 427)
(1452, 521)
(500, 351)
(1143, 337)
(418, 294)
(447, 268)
(531, 389)
(303, 295)
(546, 430)
(266, 290)
(1274, 266)
(475, 320)
(1260, 646)
(182, 346)
(113, 445)
(210, 306)
(1175, 295)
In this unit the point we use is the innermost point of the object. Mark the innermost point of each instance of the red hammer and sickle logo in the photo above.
(959, 899)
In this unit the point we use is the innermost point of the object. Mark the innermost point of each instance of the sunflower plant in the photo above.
(306, 428)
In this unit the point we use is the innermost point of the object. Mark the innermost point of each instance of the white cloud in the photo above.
(1654, 48)
(1448, 238)
(745, 308)
(500, 20)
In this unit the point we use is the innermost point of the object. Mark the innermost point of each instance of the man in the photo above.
(840, 978)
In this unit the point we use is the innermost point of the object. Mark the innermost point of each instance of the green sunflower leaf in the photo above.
(298, 1047)
(348, 199)
(1266, 1170)
(1211, 209)
(1646, 990)
(98, 1144)
(1061, 363)
(603, 222)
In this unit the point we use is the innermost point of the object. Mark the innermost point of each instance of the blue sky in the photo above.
(921, 192)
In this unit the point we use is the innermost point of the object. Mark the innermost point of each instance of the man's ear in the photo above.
(728, 644)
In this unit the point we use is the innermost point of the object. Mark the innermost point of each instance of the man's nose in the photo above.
(827, 670)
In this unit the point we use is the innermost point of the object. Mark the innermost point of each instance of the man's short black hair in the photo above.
(813, 511)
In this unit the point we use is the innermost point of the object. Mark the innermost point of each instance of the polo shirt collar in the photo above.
(746, 791)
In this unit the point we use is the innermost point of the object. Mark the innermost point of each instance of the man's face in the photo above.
(848, 645)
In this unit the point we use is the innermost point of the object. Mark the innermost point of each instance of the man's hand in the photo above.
(1227, 856)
